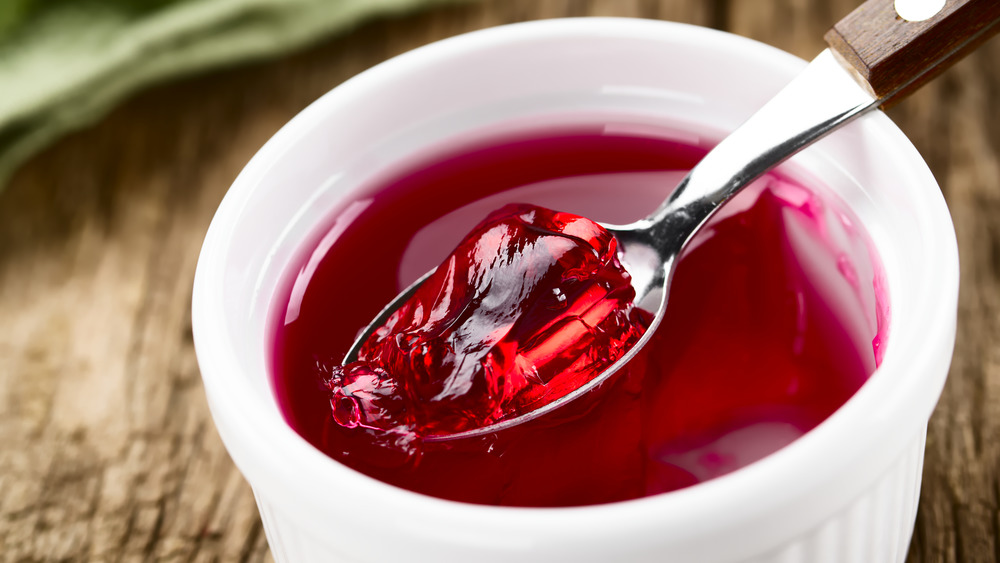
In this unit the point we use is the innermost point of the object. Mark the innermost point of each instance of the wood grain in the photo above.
(107, 451)
(896, 56)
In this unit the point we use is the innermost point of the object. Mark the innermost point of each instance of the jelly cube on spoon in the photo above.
(531, 305)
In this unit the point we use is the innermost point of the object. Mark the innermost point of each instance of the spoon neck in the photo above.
(821, 99)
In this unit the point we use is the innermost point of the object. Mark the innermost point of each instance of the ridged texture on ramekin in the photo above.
(874, 528)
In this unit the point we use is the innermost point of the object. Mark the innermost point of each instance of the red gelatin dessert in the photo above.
(774, 320)
(530, 306)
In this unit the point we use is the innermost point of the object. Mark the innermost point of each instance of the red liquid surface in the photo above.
(771, 325)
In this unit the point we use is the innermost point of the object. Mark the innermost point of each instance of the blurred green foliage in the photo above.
(15, 13)
(66, 63)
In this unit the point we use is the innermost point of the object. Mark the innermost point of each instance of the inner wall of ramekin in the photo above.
(656, 73)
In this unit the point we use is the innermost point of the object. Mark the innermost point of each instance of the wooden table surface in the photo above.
(107, 450)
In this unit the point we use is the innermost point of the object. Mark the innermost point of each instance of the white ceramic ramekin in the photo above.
(847, 491)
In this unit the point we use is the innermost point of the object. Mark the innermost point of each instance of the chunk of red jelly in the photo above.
(531, 305)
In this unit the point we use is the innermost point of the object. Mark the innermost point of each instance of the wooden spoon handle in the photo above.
(896, 56)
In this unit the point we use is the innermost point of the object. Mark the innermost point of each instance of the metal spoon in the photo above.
(827, 95)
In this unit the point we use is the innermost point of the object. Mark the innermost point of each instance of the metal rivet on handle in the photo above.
(918, 10)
